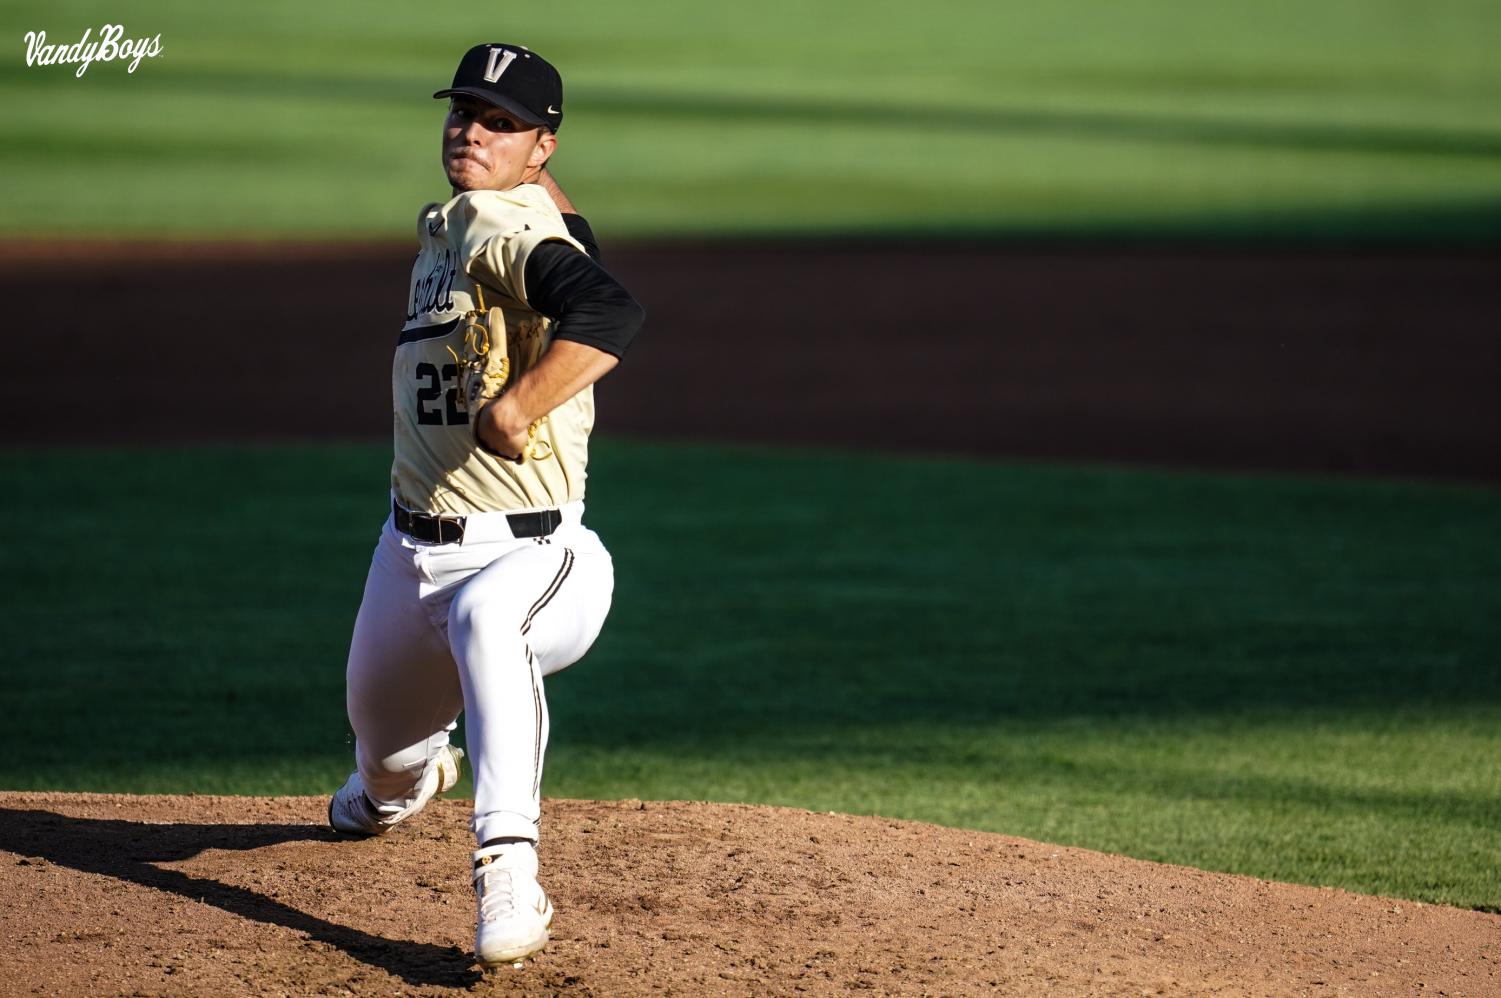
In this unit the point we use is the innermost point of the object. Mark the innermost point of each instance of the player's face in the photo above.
(487, 149)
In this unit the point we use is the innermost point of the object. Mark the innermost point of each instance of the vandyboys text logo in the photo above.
(110, 46)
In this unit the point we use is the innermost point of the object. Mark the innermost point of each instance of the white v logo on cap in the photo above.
(504, 57)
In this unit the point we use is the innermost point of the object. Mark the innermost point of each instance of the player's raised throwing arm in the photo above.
(549, 184)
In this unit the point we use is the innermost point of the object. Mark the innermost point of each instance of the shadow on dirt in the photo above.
(130, 850)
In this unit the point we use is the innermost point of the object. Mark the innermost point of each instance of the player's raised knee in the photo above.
(479, 612)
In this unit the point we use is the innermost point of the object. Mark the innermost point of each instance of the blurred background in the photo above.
(1148, 117)
(1075, 420)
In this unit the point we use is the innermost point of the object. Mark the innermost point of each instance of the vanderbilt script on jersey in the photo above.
(479, 237)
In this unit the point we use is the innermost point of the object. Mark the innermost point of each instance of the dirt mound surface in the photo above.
(114, 894)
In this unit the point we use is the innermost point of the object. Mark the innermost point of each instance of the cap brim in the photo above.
(509, 106)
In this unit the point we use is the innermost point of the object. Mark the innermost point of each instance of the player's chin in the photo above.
(466, 180)
(466, 174)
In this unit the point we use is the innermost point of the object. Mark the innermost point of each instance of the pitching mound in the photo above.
(195, 895)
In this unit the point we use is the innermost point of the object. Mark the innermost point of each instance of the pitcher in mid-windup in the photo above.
(485, 579)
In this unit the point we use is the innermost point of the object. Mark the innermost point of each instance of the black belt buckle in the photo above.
(447, 529)
(440, 529)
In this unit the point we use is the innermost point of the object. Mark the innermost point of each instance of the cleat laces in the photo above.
(497, 894)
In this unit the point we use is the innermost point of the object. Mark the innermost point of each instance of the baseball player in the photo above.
(485, 579)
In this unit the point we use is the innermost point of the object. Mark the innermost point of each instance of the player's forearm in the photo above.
(566, 369)
(577, 227)
(549, 184)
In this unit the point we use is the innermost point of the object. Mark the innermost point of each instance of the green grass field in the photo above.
(1279, 119)
(1296, 679)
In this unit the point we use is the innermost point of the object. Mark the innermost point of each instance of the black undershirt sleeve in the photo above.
(589, 305)
(579, 229)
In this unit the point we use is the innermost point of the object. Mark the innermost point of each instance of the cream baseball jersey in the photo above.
(478, 238)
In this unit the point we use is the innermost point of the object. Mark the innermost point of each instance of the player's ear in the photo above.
(544, 149)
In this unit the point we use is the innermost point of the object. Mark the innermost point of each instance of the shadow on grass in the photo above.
(128, 851)
(1136, 126)
(1320, 136)
(1042, 595)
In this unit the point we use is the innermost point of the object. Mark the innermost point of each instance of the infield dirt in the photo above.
(1312, 360)
(221, 895)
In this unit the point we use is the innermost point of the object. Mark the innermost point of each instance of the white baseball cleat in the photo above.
(351, 811)
(513, 910)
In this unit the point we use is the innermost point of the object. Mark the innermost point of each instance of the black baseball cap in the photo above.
(514, 79)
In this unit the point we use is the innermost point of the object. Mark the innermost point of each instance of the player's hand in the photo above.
(500, 432)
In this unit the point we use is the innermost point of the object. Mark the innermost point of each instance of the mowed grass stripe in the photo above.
(1291, 678)
(1336, 119)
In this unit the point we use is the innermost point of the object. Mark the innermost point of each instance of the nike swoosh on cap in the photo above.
(553, 110)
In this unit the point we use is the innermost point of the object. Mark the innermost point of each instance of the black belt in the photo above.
(446, 528)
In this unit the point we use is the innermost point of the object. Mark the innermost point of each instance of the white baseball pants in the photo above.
(473, 627)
